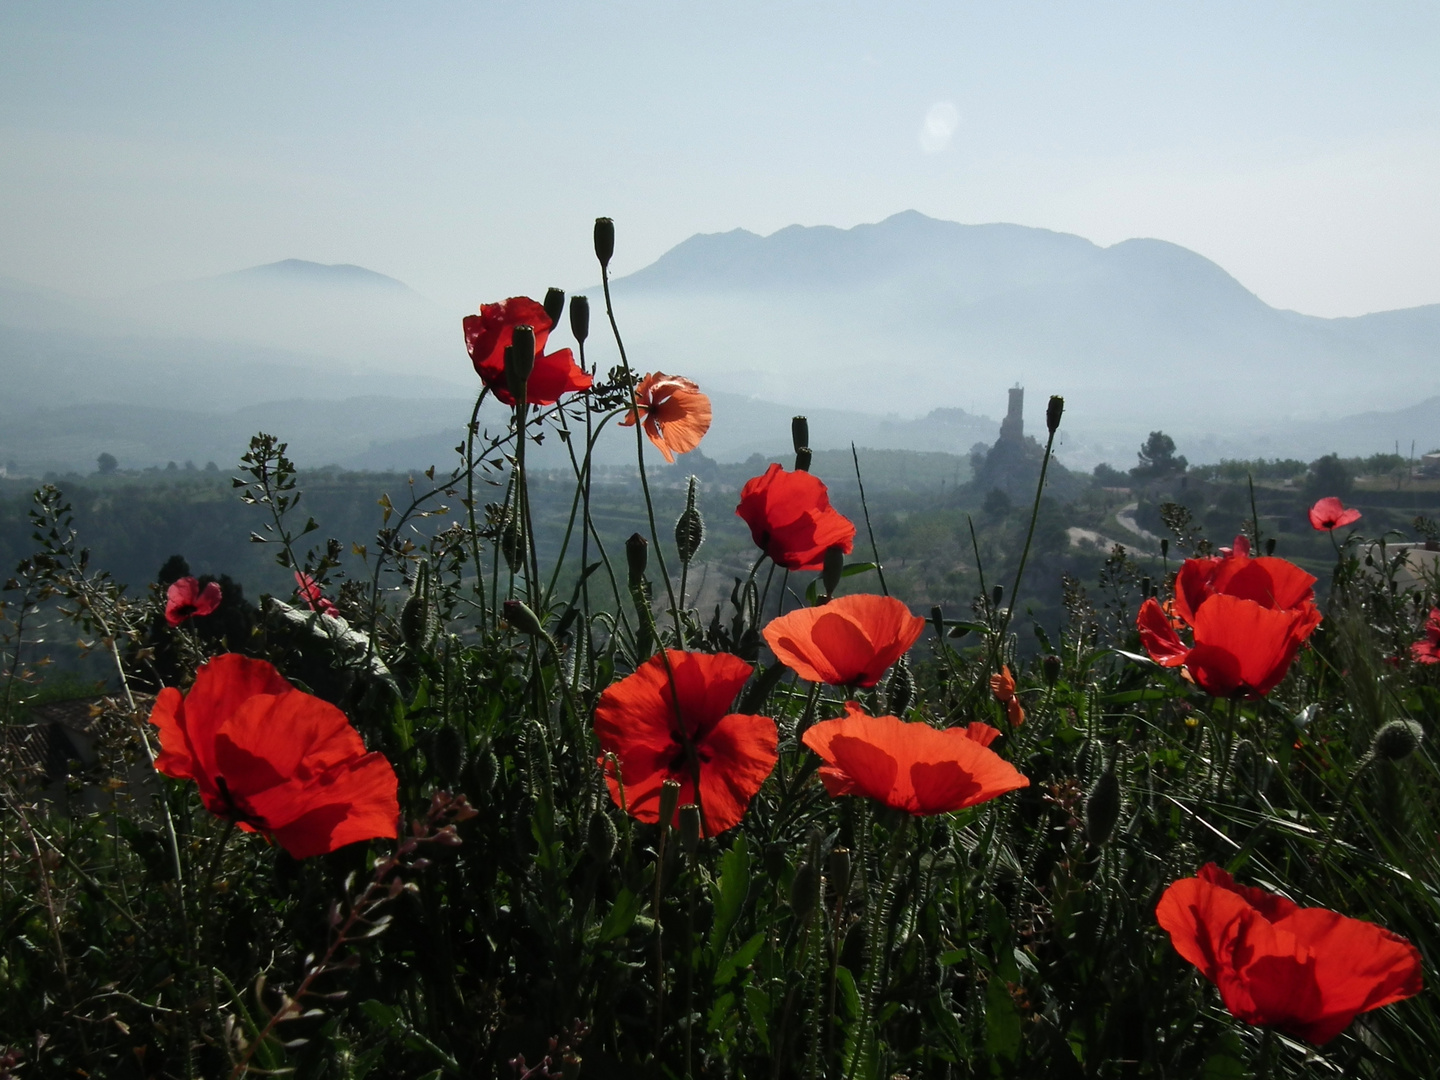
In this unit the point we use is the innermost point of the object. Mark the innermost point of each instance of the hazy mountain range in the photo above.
(869, 330)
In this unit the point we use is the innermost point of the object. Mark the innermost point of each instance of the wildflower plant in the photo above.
(462, 800)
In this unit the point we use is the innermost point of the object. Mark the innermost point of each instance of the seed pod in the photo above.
(689, 526)
(1397, 740)
(1053, 412)
(669, 798)
(604, 240)
(838, 868)
(636, 557)
(900, 688)
(1164, 547)
(1270, 545)
(800, 437)
(1102, 808)
(690, 828)
(1050, 667)
(804, 889)
(520, 362)
(554, 305)
(600, 837)
(580, 318)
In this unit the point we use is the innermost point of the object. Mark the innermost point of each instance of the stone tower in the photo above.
(1012, 428)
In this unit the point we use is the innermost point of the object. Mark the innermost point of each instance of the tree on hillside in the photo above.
(1158, 458)
(1329, 475)
(106, 464)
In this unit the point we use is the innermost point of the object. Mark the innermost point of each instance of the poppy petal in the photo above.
(1158, 636)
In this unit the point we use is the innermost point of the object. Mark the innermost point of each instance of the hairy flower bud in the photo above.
(689, 526)
(830, 573)
(448, 754)
(520, 362)
(521, 618)
(1102, 808)
(900, 689)
(1053, 412)
(637, 555)
(512, 542)
(1397, 740)
(580, 318)
(600, 837)
(1050, 666)
(554, 305)
(419, 622)
(604, 240)
(800, 438)
(997, 597)
(838, 867)
(937, 619)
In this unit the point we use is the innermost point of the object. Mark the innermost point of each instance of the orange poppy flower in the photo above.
(850, 641)
(677, 414)
(638, 722)
(910, 766)
(274, 759)
(791, 519)
(1002, 685)
(1307, 971)
(1249, 618)
(1428, 650)
(490, 333)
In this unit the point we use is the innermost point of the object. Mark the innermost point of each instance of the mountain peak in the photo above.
(302, 271)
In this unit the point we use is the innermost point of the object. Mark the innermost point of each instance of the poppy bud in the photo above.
(520, 362)
(690, 828)
(669, 796)
(833, 568)
(900, 690)
(1270, 545)
(419, 622)
(1145, 586)
(997, 595)
(637, 555)
(580, 318)
(604, 240)
(804, 889)
(937, 619)
(1053, 412)
(838, 867)
(554, 305)
(487, 769)
(521, 618)
(1102, 808)
(800, 438)
(689, 527)
(1164, 547)
(1397, 740)
(1050, 666)
(600, 837)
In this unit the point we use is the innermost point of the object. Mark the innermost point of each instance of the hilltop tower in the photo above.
(1012, 428)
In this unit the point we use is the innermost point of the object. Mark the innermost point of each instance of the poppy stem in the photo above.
(878, 949)
(470, 497)
(214, 866)
(997, 645)
(640, 458)
(865, 512)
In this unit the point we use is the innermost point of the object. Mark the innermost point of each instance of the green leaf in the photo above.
(620, 917)
(730, 893)
(1002, 1024)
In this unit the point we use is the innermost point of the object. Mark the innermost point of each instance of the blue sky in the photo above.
(465, 148)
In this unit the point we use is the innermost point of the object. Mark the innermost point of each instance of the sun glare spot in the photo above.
(939, 127)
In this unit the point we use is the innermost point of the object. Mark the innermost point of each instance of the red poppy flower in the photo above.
(637, 720)
(186, 598)
(791, 519)
(848, 642)
(677, 414)
(1330, 513)
(1249, 618)
(1306, 971)
(490, 333)
(315, 600)
(274, 759)
(1428, 651)
(910, 766)
(1002, 685)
